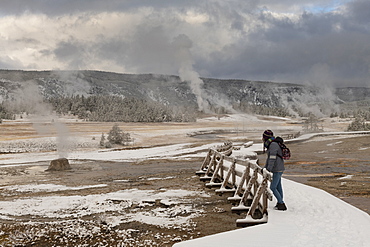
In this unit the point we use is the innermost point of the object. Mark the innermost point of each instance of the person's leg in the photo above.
(279, 188)
(276, 180)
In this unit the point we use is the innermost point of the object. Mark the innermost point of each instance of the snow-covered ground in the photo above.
(78, 206)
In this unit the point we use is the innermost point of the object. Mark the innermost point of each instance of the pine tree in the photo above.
(358, 124)
(102, 140)
(115, 135)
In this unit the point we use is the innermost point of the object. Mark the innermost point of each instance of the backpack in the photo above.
(285, 150)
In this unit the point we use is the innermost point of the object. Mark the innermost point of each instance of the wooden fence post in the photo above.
(243, 181)
(224, 184)
(205, 163)
(217, 173)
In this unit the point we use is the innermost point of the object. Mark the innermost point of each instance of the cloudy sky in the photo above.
(305, 41)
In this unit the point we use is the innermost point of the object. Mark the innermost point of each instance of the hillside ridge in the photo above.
(171, 90)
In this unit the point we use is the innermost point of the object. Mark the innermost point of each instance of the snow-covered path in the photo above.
(314, 218)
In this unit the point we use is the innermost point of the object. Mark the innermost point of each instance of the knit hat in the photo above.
(267, 134)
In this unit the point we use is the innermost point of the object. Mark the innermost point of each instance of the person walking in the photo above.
(274, 164)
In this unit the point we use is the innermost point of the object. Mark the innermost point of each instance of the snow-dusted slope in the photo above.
(170, 90)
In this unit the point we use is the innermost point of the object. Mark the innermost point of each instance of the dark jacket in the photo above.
(274, 162)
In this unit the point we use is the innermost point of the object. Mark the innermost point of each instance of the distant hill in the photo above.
(171, 90)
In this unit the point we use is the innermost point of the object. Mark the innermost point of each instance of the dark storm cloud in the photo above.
(72, 53)
(359, 11)
(114, 49)
(10, 63)
(289, 48)
(149, 50)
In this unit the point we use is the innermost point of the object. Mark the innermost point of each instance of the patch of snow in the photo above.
(346, 177)
(151, 179)
(179, 215)
(47, 187)
(122, 180)
(335, 143)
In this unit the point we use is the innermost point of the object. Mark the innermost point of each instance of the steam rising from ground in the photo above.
(63, 142)
(182, 46)
(322, 104)
(29, 100)
(74, 82)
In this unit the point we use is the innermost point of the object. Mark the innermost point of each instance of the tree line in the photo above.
(118, 109)
(361, 121)
(113, 108)
(107, 108)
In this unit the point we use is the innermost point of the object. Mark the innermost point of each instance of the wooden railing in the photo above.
(244, 179)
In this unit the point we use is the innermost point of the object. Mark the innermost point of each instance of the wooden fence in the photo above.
(244, 179)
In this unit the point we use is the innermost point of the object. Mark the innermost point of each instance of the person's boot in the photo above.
(281, 206)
